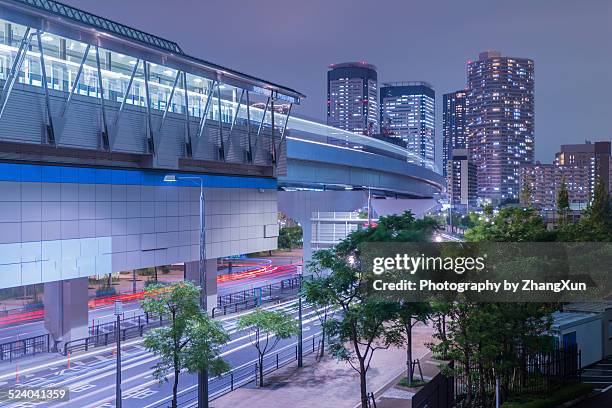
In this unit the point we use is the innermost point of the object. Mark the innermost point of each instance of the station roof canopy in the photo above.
(71, 22)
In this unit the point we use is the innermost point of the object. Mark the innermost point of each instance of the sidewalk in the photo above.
(327, 383)
(401, 397)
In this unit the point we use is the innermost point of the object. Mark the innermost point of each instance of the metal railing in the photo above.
(540, 373)
(251, 298)
(25, 347)
(246, 373)
(106, 333)
(103, 334)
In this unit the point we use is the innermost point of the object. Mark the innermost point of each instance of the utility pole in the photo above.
(300, 333)
(369, 207)
(202, 375)
(118, 312)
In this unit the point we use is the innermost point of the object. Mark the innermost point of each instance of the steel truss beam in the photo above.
(169, 101)
(150, 139)
(229, 137)
(115, 126)
(273, 152)
(283, 135)
(220, 123)
(204, 115)
(188, 145)
(60, 121)
(14, 72)
(43, 71)
(263, 118)
(105, 140)
(250, 148)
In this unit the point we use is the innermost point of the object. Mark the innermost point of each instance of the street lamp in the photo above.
(301, 332)
(118, 313)
(202, 375)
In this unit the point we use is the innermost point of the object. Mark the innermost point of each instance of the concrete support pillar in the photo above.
(299, 205)
(192, 273)
(66, 309)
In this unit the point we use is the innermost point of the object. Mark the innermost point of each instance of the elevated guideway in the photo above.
(333, 176)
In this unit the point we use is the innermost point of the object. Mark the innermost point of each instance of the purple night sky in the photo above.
(292, 42)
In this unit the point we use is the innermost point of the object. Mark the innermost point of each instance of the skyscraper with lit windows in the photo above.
(352, 97)
(500, 122)
(454, 132)
(407, 111)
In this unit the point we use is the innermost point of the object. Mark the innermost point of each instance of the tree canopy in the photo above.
(190, 341)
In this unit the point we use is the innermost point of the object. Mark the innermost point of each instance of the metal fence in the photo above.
(437, 393)
(106, 333)
(24, 347)
(538, 373)
(250, 298)
(246, 374)
(103, 334)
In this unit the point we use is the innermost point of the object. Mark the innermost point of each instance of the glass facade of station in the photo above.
(63, 58)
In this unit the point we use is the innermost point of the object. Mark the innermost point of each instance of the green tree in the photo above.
(290, 237)
(496, 337)
(526, 194)
(363, 323)
(190, 341)
(563, 205)
(595, 223)
(266, 329)
(361, 331)
(598, 215)
(318, 292)
(408, 314)
(511, 224)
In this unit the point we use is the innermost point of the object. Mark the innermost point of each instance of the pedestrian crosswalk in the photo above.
(599, 375)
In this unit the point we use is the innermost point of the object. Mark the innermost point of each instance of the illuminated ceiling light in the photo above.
(168, 72)
(47, 38)
(132, 62)
(197, 80)
(152, 64)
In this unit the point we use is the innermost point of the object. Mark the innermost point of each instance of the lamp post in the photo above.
(202, 375)
(118, 313)
(301, 332)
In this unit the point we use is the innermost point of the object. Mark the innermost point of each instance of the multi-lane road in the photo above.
(281, 269)
(90, 376)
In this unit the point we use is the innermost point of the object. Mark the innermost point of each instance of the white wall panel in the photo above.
(53, 231)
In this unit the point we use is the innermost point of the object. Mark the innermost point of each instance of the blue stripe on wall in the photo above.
(86, 175)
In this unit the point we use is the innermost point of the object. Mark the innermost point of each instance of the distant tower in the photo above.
(352, 97)
(407, 111)
(453, 125)
(500, 122)
(461, 180)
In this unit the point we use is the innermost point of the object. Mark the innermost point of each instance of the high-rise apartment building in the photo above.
(595, 157)
(500, 122)
(407, 111)
(579, 165)
(461, 180)
(352, 97)
(544, 180)
(454, 135)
